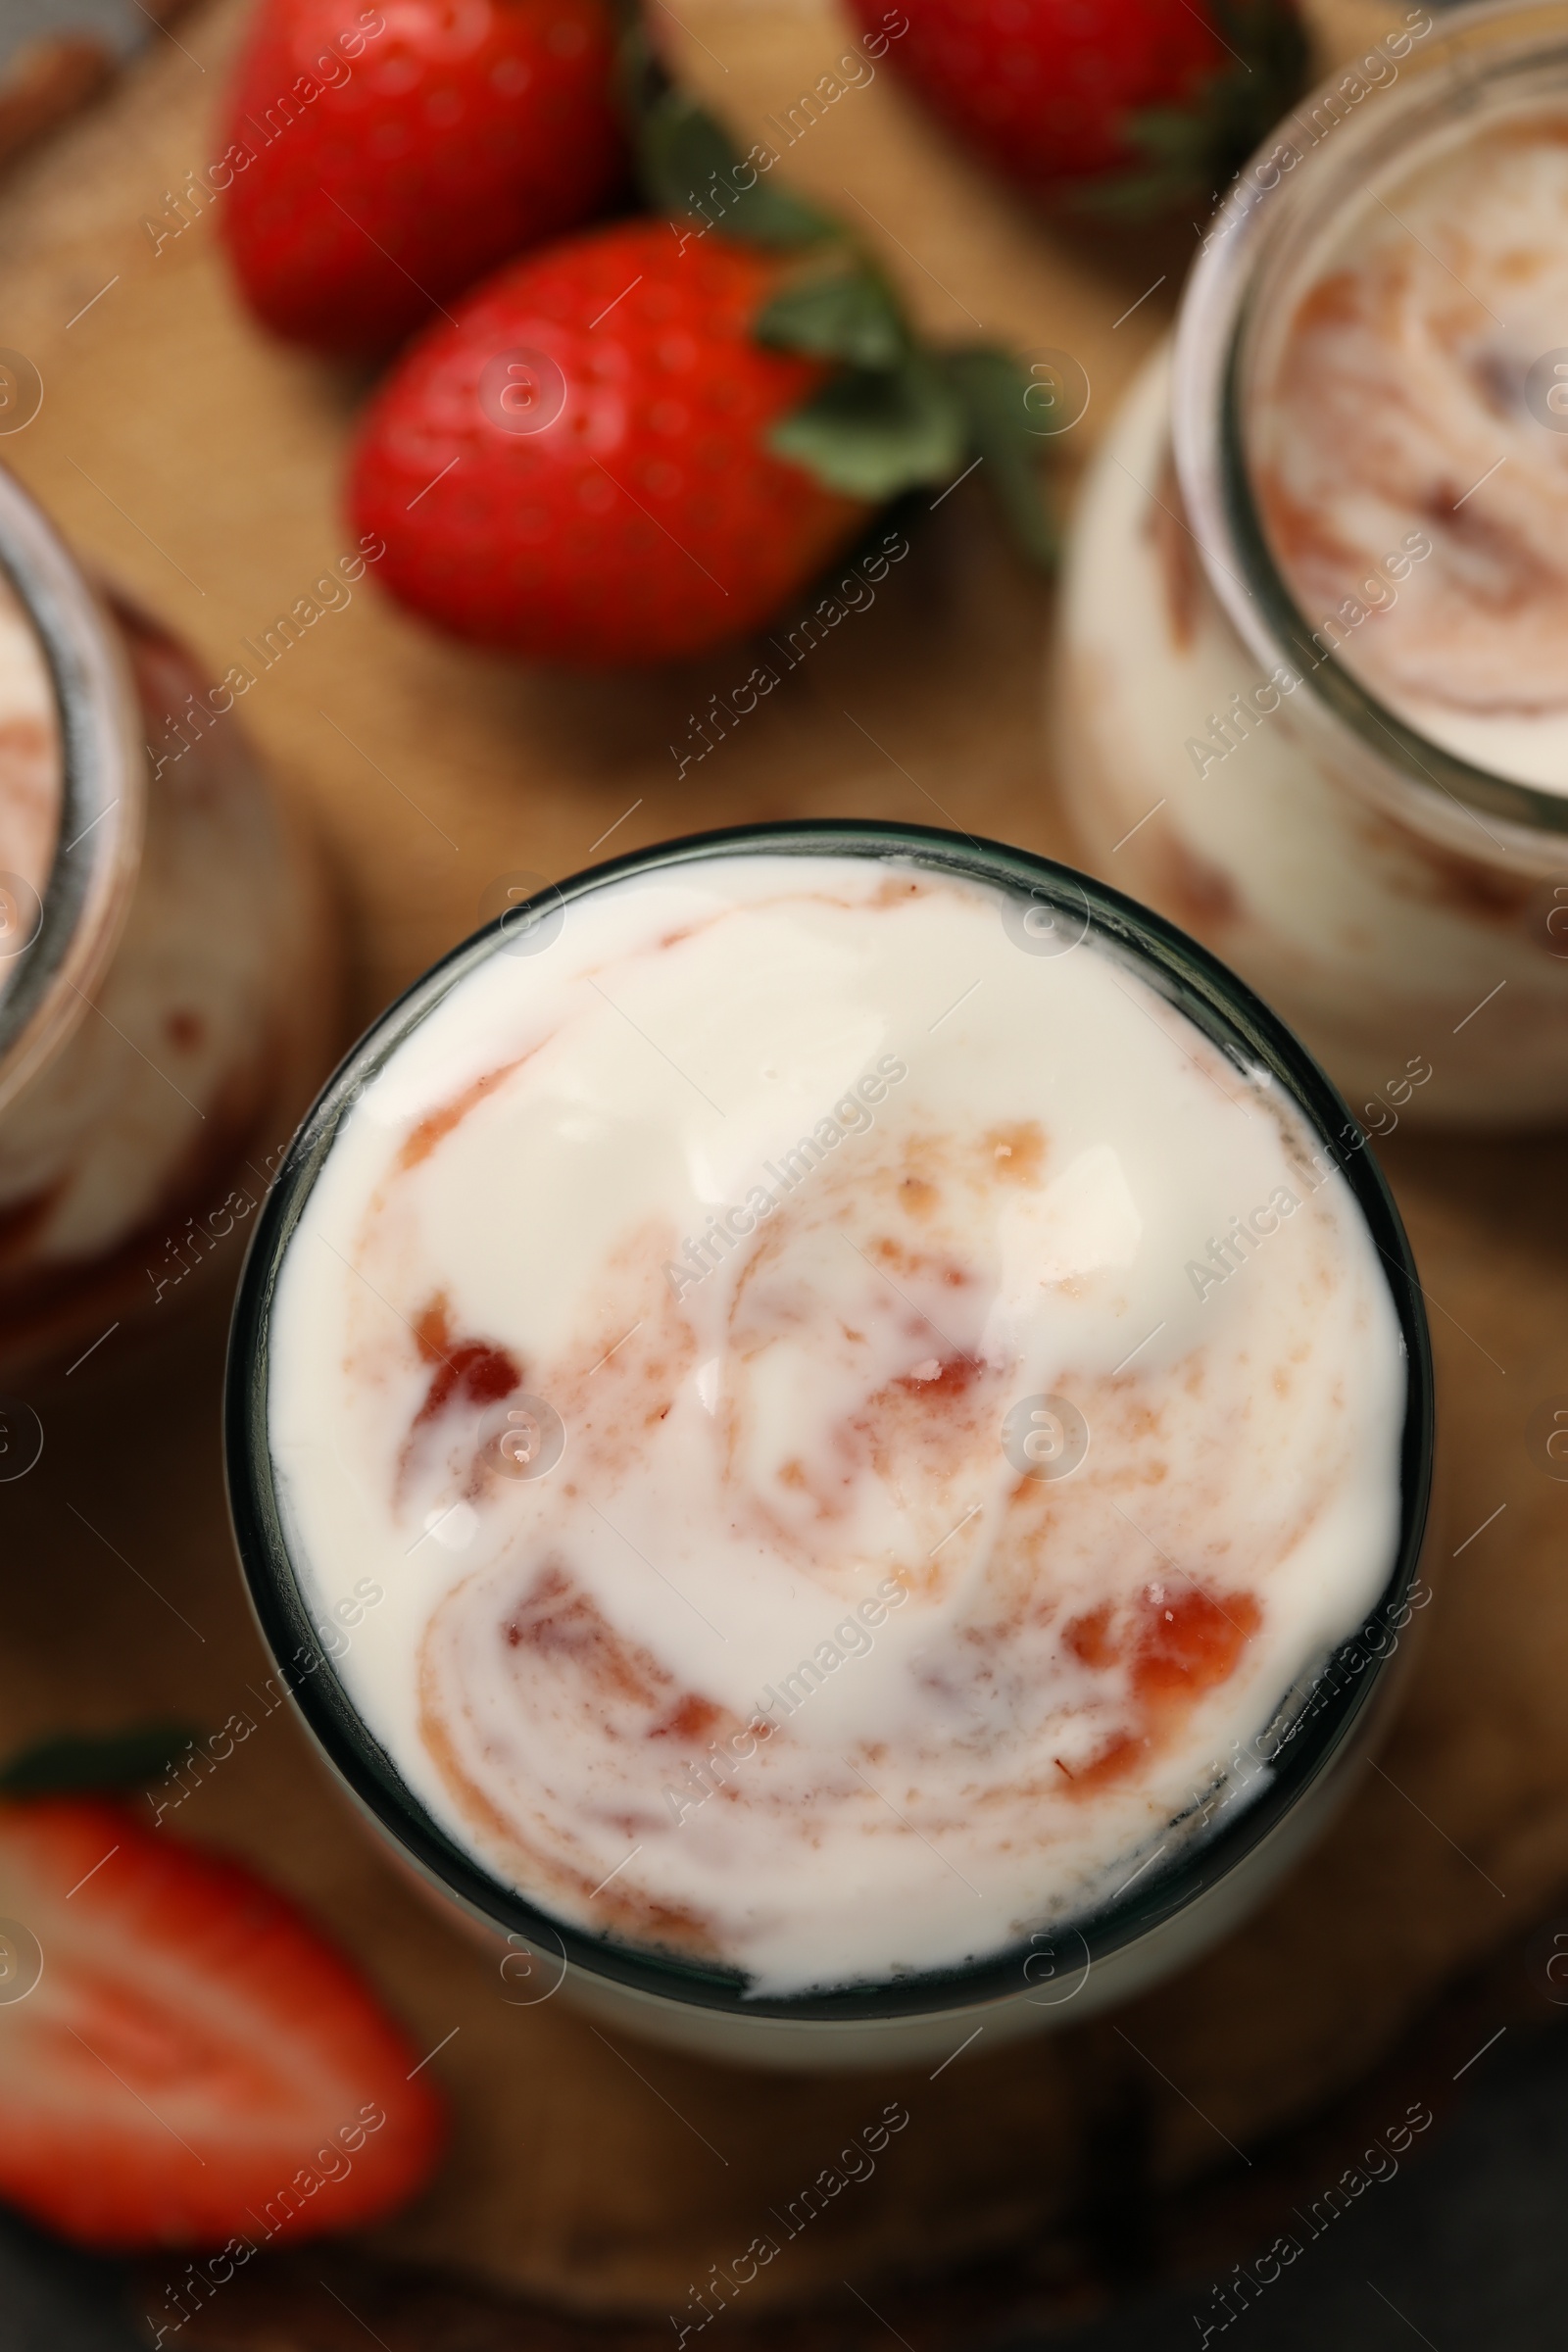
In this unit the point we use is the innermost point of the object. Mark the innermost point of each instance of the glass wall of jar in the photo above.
(167, 995)
(1312, 685)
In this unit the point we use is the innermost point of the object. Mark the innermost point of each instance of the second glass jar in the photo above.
(1406, 910)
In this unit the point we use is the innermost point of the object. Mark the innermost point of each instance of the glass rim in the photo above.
(102, 789)
(1486, 46)
(1197, 984)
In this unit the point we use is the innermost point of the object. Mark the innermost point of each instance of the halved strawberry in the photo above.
(193, 2063)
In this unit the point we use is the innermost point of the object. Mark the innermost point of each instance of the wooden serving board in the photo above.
(198, 464)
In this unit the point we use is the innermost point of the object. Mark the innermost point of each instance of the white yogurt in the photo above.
(792, 1661)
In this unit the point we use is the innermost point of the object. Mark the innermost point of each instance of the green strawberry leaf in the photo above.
(689, 167)
(874, 432)
(1194, 150)
(995, 392)
(848, 313)
(75, 1762)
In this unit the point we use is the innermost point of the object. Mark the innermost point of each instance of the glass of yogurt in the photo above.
(1312, 690)
(830, 1426)
(166, 965)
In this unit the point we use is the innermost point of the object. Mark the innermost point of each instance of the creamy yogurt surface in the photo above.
(1411, 407)
(821, 1429)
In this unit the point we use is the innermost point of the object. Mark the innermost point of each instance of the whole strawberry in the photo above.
(1132, 104)
(383, 159)
(576, 468)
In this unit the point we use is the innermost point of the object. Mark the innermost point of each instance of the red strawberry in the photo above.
(384, 157)
(611, 497)
(194, 2062)
(1167, 95)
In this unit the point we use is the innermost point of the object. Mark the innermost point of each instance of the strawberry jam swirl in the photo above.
(1411, 444)
(949, 1410)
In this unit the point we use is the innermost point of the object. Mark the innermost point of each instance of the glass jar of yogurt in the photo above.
(833, 1442)
(1311, 688)
(166, 971)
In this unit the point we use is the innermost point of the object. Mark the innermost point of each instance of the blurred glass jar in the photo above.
(1402, 907)
(167, 977)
